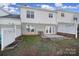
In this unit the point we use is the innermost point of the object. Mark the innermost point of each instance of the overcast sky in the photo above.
(14, 7)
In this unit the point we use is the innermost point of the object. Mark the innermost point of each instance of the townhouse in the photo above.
(49, 22)
(68, 23)
(31, 21)
(36, 20)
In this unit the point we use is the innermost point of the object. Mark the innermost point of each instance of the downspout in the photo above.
(15, 29)
(75, 19)
(21, 26)
(21, 21)
(76, 29)
(57, 23)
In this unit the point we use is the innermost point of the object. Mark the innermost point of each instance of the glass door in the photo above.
(48, 30)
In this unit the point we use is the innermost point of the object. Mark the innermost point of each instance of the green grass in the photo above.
(35, 42)
(34, 45)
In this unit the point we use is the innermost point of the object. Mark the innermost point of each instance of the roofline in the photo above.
(4, 10)
(67, 11)
(11, 16)
(42, 9)
(48, 10)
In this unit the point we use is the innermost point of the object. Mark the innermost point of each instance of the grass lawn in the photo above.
(35, 46)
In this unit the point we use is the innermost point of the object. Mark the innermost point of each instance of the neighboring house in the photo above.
(48, 21)
(10, 28)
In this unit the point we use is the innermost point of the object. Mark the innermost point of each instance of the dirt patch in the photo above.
(27, 52)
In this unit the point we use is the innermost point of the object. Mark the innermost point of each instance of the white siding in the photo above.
(8, 34)
(10, 21)
(40, 17)
(67, 28)
(68, 17)
(17, 30)
(38, 27)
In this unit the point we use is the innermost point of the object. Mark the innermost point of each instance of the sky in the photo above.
(14, 7)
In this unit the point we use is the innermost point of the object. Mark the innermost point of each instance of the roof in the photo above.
(4, 10)
(11, 16)
(43, 9)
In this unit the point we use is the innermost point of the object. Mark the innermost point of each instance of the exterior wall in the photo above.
(68, 17)
(10, 21)
(67, 28)
(65, 24)
(18, 30)
(6, 26)
(37, 27)
(40, 16)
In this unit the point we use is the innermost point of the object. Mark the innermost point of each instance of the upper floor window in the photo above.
(62, 14)
(30, 14)
(75, 18)
(50, 15)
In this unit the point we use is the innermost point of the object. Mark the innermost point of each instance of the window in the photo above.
(32, 30)
(75, 18)
(50, 15)
(29, 28)
(30, 14)
(46, 31)
(62, 14)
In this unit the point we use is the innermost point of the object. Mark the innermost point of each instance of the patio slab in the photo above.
(52, 37)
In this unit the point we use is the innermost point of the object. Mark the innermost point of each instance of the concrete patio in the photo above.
(53, 37)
